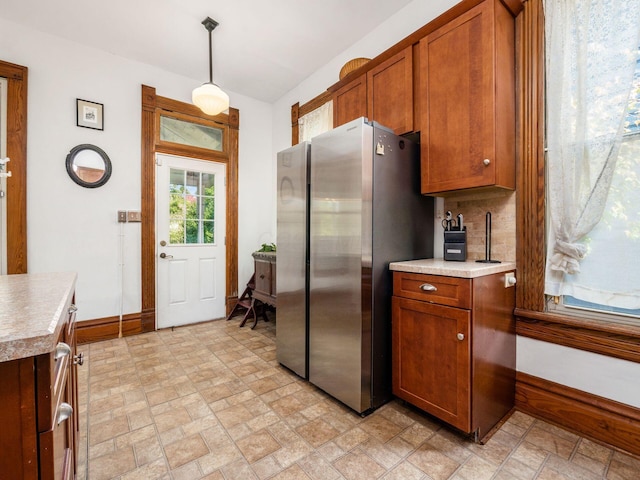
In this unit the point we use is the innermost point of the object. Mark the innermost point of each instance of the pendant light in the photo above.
(209, 97)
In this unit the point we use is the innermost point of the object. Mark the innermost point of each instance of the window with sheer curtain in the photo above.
(316, 122)
(593, 155)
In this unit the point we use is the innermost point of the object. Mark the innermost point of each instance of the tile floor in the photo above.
(210, 401)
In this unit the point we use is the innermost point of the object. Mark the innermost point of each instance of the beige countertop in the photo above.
(468, 269)
(32, 312)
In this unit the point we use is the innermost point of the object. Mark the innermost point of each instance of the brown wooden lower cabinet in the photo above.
(455, 362)
(38, 414)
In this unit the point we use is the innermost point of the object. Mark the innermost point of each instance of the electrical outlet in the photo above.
(122, 216)
(134, 216)
(509, 279)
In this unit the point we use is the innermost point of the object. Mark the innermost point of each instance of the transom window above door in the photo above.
(190, 133)
(191, 207)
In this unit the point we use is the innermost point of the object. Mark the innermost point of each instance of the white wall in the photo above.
(596, 374)
(73, 228)
(590, 372)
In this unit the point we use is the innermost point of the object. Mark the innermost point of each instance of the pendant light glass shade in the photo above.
(210, 98)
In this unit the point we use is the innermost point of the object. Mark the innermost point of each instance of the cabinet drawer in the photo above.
(263, 277)
(450, 291)
(56, 454)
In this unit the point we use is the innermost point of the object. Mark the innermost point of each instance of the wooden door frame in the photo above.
(152, 106)
(16, 76)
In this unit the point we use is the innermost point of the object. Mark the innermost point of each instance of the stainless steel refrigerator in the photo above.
(366, 210)
(292, 265)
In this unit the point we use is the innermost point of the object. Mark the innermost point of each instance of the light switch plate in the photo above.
(134, 216)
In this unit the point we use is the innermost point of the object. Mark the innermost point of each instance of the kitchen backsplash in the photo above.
(474, 207)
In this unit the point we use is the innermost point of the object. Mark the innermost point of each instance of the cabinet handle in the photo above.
(460, 336)
(486, 162)
(73, 309)
(62, 350)
(427, 287)
(78, 359)
(64, 412)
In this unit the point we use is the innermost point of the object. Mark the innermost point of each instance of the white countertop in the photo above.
(468, 269)
(32, 312)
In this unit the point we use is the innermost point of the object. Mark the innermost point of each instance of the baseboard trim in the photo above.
(597, 418)
(89, 331)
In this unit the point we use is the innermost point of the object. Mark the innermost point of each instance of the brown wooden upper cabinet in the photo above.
(467, 101)
(350, 101)
(383, 94)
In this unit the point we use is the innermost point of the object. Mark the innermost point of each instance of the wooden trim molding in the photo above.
(152, 106)
(591, 416)
(530, 211)
(612, 340)
(89, 331)
(16, 76)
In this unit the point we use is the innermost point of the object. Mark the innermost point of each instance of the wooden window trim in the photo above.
(16, 198)
(298, 111)
(152, 107)
(532, 319)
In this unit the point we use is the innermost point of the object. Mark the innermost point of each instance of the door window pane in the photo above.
(192, 134)
(191, 207)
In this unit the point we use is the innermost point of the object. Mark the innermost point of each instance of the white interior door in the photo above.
(190, 236)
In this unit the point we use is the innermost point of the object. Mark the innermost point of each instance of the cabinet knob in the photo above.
(427, 287)
(262, 275)
(486, 162)
(62, 350)
(460, 336)
(64, 412)
(78, 359)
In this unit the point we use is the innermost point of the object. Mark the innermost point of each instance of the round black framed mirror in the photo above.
(89, 166)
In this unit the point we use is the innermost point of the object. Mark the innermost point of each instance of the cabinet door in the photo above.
(390, 92)
(431, 359)
(350, 101)
(457, 91)
(263, 277)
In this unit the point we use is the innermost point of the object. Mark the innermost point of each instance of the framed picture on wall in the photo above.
(89, 114)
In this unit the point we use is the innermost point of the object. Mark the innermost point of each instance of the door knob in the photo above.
(460, 336)
(164, 255)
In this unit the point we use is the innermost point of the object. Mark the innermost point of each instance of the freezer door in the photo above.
(292, 258)
(339, 339)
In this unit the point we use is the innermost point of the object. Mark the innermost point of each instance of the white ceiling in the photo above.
(261, 49)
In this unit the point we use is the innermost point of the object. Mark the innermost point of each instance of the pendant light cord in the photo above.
(210, 24)
(210, 56)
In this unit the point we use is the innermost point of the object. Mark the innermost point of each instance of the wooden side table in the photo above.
(260, 290)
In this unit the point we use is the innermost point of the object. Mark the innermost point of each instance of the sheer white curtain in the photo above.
(591, 52)
(316, 122)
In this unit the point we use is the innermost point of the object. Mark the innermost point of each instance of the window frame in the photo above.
(533, 320)
(190, 150)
